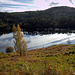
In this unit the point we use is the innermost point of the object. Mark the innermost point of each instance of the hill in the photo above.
(54, 60)
(56, 17)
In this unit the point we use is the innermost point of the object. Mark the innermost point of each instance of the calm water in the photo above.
(37, 41)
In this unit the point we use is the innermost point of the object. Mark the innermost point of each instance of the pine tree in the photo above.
(19, 44)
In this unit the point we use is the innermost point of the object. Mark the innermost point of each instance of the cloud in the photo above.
(72, 1)
(14, 6)
(36, 5)
(14, 2)
(42, 4)
(51, 4)
(17, 9)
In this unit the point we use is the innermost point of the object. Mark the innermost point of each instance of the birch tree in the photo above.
(19, 44)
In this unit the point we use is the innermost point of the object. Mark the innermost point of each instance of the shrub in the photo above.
(9, 49)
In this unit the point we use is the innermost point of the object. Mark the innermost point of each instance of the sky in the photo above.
(32, 5)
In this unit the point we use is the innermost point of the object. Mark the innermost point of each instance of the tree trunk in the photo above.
(20, 53)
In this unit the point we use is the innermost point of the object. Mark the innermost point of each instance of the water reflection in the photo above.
(37, 41)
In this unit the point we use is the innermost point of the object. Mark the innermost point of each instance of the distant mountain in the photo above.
(61, 11)
(56, 17)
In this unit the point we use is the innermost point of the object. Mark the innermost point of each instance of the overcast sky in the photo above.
(32, 5)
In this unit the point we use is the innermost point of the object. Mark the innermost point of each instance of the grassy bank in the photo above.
(54, 60)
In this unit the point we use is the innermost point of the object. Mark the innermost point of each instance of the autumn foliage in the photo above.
(19, 44)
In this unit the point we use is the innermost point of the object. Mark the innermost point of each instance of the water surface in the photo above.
(37, 41)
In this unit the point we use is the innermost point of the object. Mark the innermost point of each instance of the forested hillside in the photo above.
(56, 17)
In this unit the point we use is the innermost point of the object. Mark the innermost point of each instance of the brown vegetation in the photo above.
(45, 61)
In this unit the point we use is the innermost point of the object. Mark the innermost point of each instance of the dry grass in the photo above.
(54, 60)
